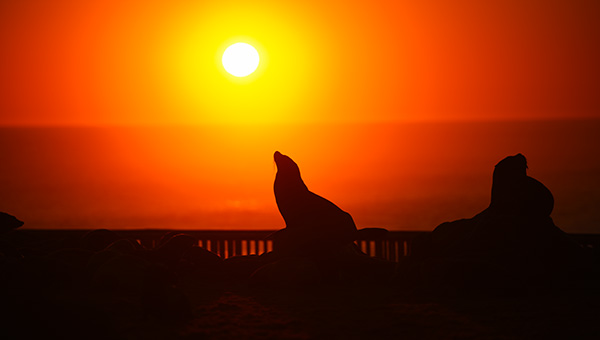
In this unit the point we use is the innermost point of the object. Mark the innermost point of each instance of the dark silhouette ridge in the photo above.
(96, 285)
(514, 238)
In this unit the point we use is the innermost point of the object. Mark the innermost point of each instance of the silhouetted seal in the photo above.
(9, 222)
(312, 222)
(513, 240)
(515, 193)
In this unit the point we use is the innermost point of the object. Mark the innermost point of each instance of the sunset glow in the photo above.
(335, 85)
(307, 169)
(153, 62)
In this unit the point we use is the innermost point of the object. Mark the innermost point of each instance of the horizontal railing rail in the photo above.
(389, 245)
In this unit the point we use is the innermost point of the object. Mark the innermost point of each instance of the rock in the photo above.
(173, 249)
(98, 239)
(122, 273)
(290, 272)
(124, 246)
(241, 267)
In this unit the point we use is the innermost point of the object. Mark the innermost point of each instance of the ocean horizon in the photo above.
(399, 176)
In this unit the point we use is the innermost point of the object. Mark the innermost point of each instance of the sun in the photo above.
(240, 59)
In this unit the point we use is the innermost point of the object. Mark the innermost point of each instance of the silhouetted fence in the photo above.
(389, 245)
(226, 243)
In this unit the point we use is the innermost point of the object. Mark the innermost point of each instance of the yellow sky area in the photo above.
(156, 62)
(283, 88)
(148, 62)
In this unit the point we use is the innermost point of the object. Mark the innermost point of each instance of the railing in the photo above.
(226, 243)
(374, 242)
(389, 245)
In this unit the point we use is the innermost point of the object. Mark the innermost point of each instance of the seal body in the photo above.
(512, 243)
(9, 222)
(515, 193)
(311, 220)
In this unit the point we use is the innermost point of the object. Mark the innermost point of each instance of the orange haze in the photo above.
(153, 62)
(399, 176)
(338, 87)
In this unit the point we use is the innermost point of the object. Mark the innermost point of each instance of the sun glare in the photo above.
(240, 59)
(209, 72)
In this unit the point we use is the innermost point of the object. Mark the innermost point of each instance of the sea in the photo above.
(394, 175)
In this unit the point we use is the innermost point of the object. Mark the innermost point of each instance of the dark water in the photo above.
(404, 176)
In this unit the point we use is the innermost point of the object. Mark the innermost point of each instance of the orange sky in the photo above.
(153, 62)
(359, 93)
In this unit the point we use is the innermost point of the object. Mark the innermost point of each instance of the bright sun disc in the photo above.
(240, 59)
